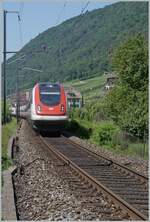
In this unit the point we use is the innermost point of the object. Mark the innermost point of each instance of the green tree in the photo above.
(128, 102)
(131, 63)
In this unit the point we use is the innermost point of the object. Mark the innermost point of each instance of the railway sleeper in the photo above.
(113, 175)
(135, 196)
(116, 173)
(110, 172)
(86, 163)
(124, 186)
(120, 187)
(99, 174)
(116, 177)
(120, 190)
(102, 172)
(130, 193)
(130, 186)
(142, 206)
(100, 166)
(131, 178)
(137, 201)
(124, 183)
(91, 164)
(121, 180)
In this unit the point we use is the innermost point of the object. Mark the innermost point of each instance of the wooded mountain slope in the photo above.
(79, 47)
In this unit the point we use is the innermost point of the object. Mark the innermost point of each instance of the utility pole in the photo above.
(4, 69)
(5, 52)
(4, 62)
(18, 99)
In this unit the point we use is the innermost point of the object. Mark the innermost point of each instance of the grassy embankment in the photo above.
(7, 132)
(104, 133)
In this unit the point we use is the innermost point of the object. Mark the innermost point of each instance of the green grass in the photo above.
(7, 132)
(138, 149)
(133, 149)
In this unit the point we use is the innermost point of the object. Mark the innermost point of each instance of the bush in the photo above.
(105, 133)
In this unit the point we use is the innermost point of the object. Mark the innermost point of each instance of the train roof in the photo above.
(49, 86)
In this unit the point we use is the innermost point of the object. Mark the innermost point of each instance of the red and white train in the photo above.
(48, 107)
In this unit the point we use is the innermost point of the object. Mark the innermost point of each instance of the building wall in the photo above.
(74, 102)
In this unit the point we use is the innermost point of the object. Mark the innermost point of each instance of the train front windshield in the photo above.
(50, 94)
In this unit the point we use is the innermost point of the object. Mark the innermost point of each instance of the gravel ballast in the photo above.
(43, 191)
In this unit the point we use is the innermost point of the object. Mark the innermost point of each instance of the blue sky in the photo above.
(37, 17)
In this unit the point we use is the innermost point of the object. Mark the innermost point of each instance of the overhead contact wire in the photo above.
(61, 13)
(20, 23)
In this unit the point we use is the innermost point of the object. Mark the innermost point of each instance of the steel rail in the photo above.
(108, 159)
(130, 211)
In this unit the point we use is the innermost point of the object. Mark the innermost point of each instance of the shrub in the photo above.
(105, 132)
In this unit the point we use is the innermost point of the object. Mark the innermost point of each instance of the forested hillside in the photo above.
(80, 47)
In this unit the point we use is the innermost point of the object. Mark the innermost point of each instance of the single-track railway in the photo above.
(122, 185)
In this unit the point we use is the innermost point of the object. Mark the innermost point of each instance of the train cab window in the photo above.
(50, 94)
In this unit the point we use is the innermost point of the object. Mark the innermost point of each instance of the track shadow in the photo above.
(73, 128)
(51, 134)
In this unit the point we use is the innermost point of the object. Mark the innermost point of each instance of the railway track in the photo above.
(123, 186)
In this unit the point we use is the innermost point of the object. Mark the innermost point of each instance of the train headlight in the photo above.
(62, 108)
(39, 108)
